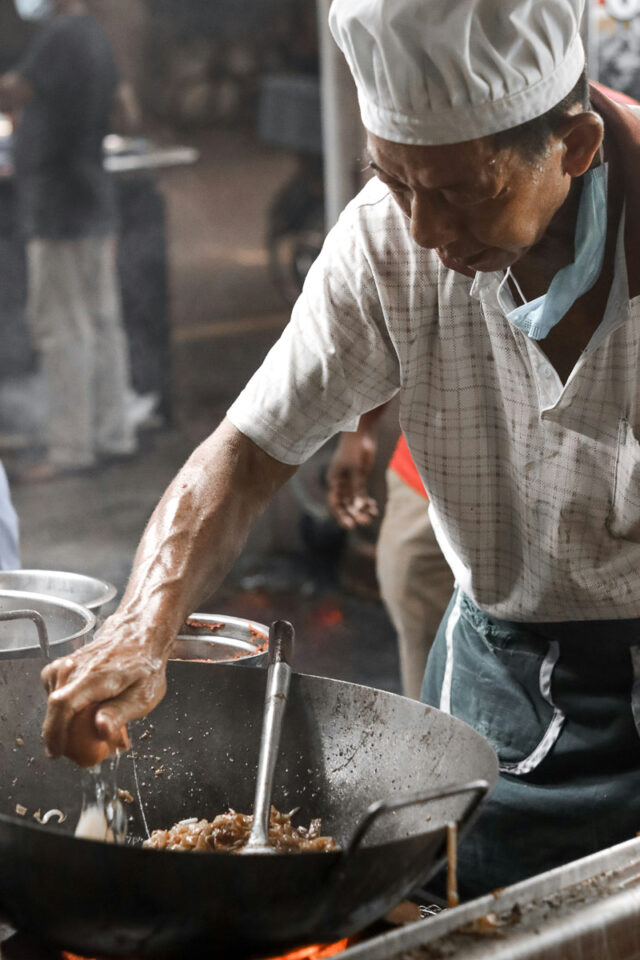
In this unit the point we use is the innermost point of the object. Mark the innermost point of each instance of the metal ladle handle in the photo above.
(478, 789)
(281, 636)
(37, 619)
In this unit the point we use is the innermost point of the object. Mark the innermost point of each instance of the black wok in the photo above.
(343, 747)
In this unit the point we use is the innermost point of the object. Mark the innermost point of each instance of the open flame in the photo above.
(316, 951)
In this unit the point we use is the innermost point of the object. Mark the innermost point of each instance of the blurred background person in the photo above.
(62, 94)
(9, 530)
(414, 578)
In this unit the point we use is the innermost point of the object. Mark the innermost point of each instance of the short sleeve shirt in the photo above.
(63, 190)
(534, 486)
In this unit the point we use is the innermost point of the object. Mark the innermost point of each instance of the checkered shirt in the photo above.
(534, 485)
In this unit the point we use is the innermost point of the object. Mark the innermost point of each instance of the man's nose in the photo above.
(434, 222)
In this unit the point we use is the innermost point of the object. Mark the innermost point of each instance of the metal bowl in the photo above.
(220, 639)
(67, 625)
(89, 592)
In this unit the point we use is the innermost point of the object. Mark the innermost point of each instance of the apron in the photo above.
(560, 704)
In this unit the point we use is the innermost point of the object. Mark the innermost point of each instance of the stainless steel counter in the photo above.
(586, 910)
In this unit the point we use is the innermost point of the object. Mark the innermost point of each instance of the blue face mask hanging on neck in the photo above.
(537, 317)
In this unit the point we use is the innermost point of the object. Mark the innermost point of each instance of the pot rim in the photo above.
(108, 591)
(29, 596)
(250, 637)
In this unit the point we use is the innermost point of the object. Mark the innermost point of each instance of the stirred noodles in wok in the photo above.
(230, 831)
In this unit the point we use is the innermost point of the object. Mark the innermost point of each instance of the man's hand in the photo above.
(347, 495)
(193, 537)
(96, 691)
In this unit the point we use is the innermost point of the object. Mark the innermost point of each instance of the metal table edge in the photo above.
(542, 885)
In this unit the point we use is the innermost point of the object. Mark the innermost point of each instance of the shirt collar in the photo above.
(483, 282)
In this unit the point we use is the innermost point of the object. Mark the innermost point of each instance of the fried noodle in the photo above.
(230, 831)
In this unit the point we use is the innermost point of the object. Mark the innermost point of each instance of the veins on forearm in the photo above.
(197, 531)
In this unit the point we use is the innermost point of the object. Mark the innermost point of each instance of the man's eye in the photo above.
(393, 185)
(397, 187)
(456, 198)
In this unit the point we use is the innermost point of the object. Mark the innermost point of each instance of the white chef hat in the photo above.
(444, 71)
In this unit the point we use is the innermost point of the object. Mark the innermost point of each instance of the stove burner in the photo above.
(18, 946)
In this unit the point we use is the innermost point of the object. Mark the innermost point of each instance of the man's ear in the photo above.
(581, 135)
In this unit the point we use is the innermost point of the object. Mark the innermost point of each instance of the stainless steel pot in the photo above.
(32, 625)
(221, 639)
(89, 592)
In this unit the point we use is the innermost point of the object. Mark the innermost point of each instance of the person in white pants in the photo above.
(9, 530)
(63, 94)
(414, 578)
(75, 321)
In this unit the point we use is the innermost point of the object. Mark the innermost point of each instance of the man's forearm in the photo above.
(197, 531)
(193, 537)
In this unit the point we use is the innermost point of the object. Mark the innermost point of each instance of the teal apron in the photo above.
(560, 704)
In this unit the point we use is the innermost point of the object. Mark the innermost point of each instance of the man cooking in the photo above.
(489, 276)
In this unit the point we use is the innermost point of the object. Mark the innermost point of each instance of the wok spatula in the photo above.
(281, 636)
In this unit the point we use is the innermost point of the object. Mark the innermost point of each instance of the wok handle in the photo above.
(38, 621)
(478, 789)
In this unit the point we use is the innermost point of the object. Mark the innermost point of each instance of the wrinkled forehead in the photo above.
(473, 161)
